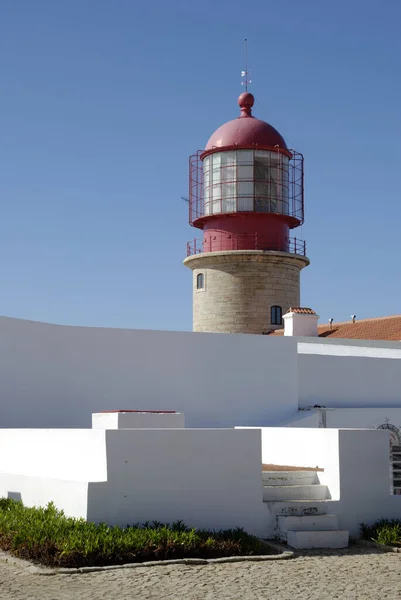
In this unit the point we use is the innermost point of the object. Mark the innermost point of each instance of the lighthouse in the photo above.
(246, 194)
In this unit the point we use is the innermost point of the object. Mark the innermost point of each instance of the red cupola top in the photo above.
(246, 187)
(246, 131)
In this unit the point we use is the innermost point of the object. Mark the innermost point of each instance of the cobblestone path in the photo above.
(352, 574)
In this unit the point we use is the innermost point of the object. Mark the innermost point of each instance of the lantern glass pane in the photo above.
(228, 158)
(245, 172)
(245, 203)
(216, 205)
(245, 157)
(245, 188)
(228, 173)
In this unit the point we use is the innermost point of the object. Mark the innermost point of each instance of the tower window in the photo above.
(200, 281)
(276, 315)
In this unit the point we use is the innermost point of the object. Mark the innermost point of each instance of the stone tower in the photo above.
(246, 194)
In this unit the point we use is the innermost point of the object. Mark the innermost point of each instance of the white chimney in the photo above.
(301, 322)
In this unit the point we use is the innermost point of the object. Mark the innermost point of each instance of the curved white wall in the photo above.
(57, 376)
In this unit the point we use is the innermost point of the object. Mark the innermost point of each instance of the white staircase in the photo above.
(299, 503)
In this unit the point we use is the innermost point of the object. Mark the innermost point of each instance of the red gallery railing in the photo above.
(255, 241)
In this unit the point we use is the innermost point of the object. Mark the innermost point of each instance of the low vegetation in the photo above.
(48, 537)
(384, 531)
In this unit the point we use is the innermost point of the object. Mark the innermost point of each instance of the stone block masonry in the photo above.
(240, 287)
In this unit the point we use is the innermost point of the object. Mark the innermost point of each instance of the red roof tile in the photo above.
(300, 310)
(379, 328)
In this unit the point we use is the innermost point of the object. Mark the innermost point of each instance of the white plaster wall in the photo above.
(310, 418)
(107, 420)
(365, 479)
(69, 455)
(137, 420)
(69, 496)
(207, 478)
(363, 417)
(55, 376)
(349, 374)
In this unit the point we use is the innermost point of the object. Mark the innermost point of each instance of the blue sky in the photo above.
(101, 104)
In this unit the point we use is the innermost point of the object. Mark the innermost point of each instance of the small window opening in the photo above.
(276, 315)
(200, 281)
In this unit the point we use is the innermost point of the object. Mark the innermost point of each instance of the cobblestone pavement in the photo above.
(354, 573)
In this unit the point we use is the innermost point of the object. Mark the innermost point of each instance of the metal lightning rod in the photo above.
(246, 63)
(244, 74)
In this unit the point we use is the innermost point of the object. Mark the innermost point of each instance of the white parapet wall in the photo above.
(57, 376)
(349, 373)
(205, 477)
(68, 454)
(137, 419)
(209, 478)
(38, 466)
(383, 417)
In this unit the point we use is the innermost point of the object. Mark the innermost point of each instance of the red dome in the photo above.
(245, 131)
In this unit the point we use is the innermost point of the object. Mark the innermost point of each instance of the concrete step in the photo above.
(289, 478)
(295, 492)
(305, 523)
(318, 539)
(295, 508)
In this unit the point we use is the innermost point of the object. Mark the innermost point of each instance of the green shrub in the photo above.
(47, 536)
(384, 531)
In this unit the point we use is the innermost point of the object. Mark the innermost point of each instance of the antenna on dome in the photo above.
(244, 74)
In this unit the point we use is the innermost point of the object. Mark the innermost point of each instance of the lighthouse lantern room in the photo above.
(246, 193)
